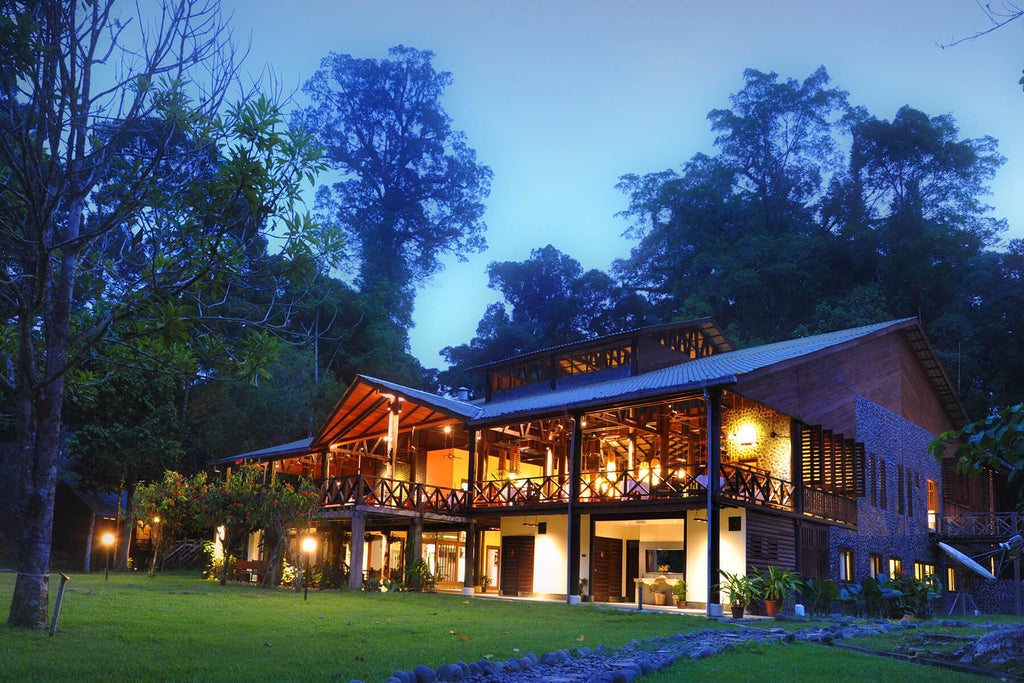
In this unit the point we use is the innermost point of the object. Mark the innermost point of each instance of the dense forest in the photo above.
(167, 299)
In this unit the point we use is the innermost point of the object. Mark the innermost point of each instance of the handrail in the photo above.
(393, 494)
(1000, 525)
(666, 483)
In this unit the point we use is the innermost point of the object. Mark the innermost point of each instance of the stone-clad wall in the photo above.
(896, 441)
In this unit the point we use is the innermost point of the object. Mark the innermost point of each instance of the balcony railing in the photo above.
(522, 491)
(997, 525)
(736, 482)
(756, 486)
(826, 505)
(393, 494)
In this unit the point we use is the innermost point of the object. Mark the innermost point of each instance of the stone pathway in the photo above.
(621, 665)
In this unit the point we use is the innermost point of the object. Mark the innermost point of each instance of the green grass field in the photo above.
(180, 628)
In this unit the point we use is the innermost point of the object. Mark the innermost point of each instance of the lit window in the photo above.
(895, 566)
(951, 579)
(846, 565)
(922, 570)
(933, 505)
(874, 565)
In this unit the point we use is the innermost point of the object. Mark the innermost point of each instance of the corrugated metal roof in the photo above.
(716, 369)
(362, 411)
(300, 447)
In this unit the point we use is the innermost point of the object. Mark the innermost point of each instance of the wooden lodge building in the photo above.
(591, 461)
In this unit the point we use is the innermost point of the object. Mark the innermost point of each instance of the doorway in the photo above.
(516, 565)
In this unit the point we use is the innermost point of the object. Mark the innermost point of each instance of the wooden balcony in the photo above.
(998, 526)
(393, 494)
(740, 483)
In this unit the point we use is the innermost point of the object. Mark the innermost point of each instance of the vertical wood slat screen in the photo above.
(832, 462)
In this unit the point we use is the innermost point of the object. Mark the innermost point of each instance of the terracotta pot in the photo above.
(680, 604)
(660, 598)
(772, 607)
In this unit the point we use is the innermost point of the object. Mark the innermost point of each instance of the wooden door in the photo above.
(516, 565)
(607, 568)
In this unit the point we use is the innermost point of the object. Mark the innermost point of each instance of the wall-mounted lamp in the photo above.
(747, 434)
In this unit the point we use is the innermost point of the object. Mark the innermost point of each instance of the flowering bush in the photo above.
(241, 504)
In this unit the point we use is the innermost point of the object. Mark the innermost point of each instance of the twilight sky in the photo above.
(562, 97)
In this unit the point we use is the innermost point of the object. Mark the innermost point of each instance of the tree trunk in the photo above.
(124, 551)
(38, 483)
(87, 565)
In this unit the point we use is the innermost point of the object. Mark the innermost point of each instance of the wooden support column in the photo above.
(394, 410)
(572, 588)
(414, 546)
(469, 571)
(471, 475)
(714, 408)
(797, 475)
(357, 547)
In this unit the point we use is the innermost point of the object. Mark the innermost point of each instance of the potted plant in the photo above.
(679, 591)
(485, 581)
(660, 590)
(583, 590)
(743, 589)
(778, 582)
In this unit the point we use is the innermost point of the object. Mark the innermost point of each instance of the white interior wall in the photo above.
(732, 550)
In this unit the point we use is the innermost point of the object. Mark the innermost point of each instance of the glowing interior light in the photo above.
(747, 434)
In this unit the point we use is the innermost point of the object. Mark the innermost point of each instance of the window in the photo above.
(874, 565)
(882, 483)
(895, 566)
(933, 505)
(951, 579)
(922, 570)
(845, 564)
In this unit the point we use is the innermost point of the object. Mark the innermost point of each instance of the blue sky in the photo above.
(561, 98)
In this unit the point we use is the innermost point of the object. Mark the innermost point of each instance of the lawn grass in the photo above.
(180, 628)
(177, 627)
(756, 663)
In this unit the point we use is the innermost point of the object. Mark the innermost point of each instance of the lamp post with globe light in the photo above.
(108, 541)
(308, 548)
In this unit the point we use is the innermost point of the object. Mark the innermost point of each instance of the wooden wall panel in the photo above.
(813, 551)
(821, 390)
(771, 541)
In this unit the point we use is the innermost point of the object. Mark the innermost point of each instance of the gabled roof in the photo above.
(715, 370)
(363, 410)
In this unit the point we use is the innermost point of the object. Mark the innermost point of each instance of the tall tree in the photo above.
(548, 299)
(779, 138)
(736, 235)
(411, 189)
(132, 204)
